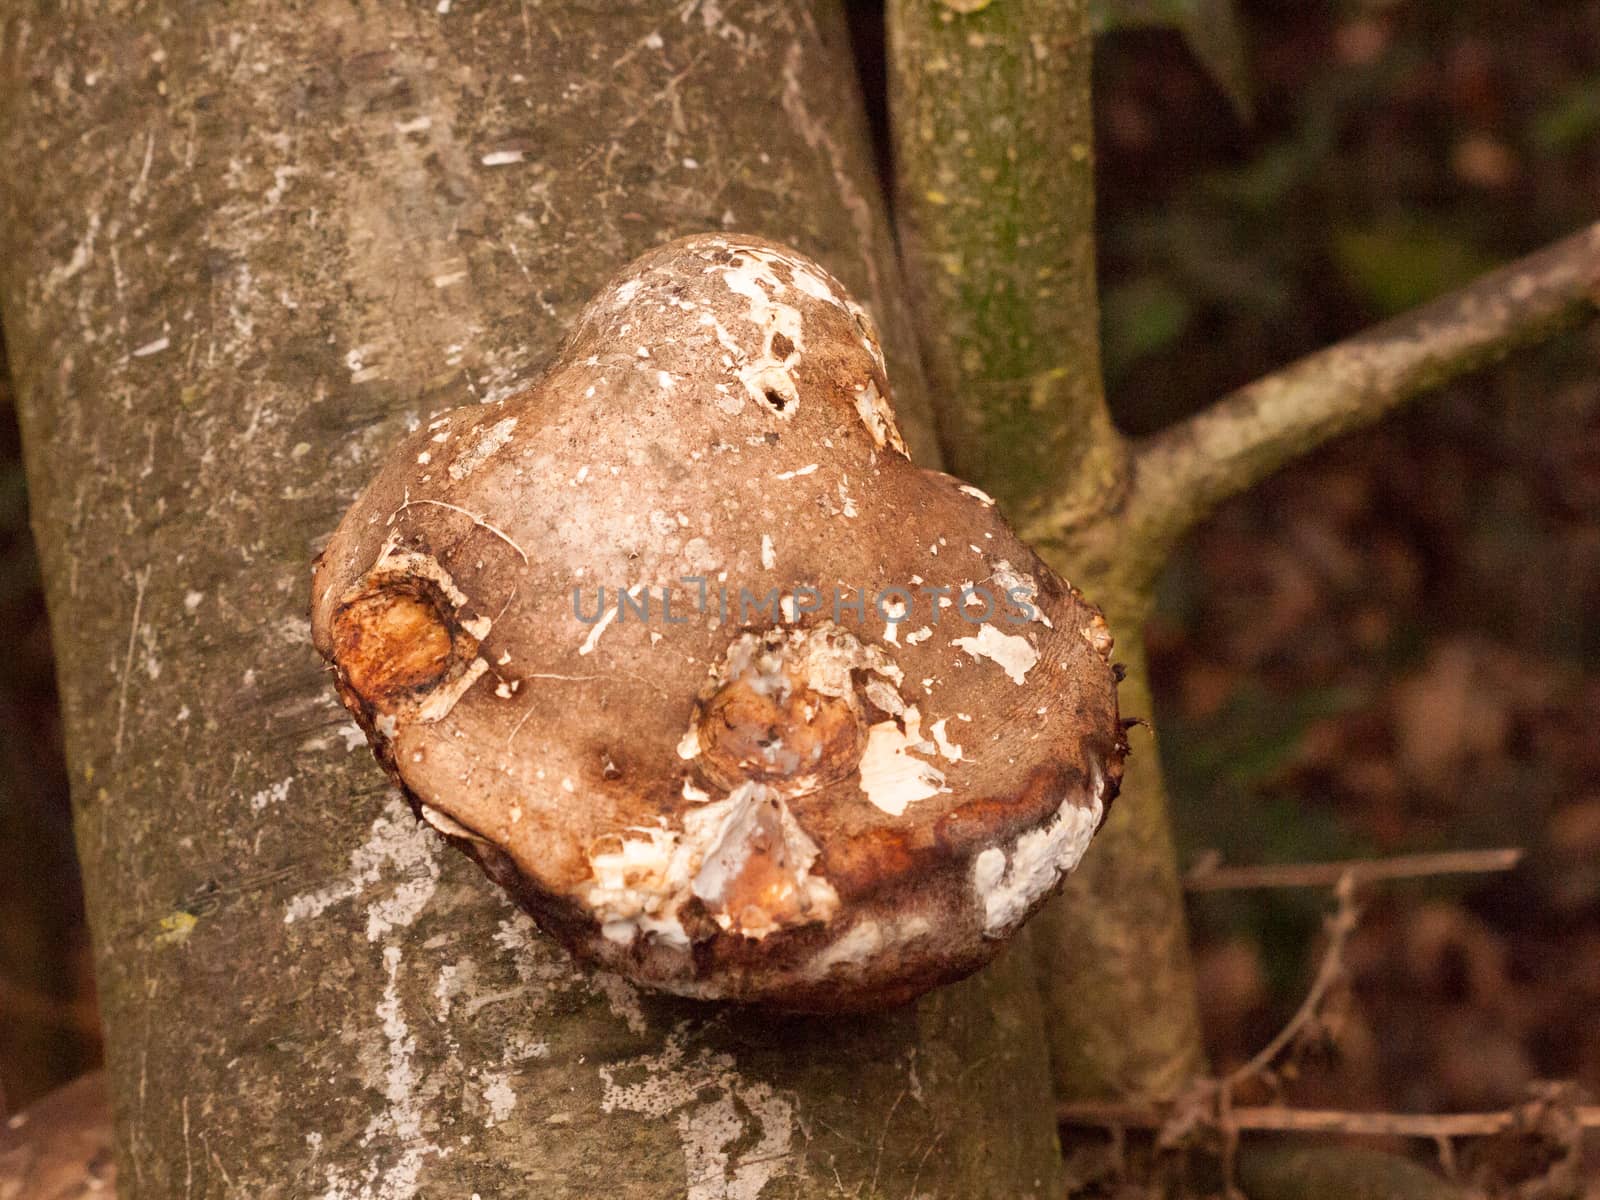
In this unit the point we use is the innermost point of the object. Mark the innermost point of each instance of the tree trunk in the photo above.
(994, 136)
(244, 247)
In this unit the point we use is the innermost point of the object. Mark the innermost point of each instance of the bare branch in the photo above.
(1207, 876)
(1183, 473)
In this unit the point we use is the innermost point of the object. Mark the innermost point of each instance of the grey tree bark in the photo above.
(242, 247)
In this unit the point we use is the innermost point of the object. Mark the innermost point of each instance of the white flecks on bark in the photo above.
(398, 845)
(400, 1121)
(715, 1111)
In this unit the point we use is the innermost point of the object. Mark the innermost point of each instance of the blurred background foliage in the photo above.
(49, 1031)
(1395, 645)
(1391, 647)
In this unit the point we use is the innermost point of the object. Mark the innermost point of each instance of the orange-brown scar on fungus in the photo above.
(751, 733)
(762, 893)
(393, 641)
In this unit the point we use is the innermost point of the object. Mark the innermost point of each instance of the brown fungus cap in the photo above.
(732, 697)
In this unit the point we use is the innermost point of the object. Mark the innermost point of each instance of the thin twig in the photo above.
(1207, 1105)
(1278, 1119)
(1341, 925)
(1206, 876)
(1181, 474)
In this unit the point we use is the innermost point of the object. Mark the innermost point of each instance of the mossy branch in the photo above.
(995, 169)
(993, 134)
(1182, 474)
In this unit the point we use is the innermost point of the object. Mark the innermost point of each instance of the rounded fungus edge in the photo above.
(732, 697)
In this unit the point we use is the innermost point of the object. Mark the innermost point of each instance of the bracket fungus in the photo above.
(733, 698)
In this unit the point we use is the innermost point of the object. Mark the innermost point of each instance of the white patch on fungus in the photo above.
(766, 375)
(599, 627)
(885, 697)
(811, 284)
(977, 493)
(624, 294)
(642, 877)
(689, 744)
(769, 556)
(895, 613)
(771, 384)
(701, 557)
(822, 658)
(865, 942)
(634, 883)
(878, 417)
(755, 820)
(447, 695)
(1020, 589)
(890, 777)
(1008, 886)
(393, 561)
(1013, 653)
(447, 824)
(483, 444)
(847, 504)
(947, 748)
